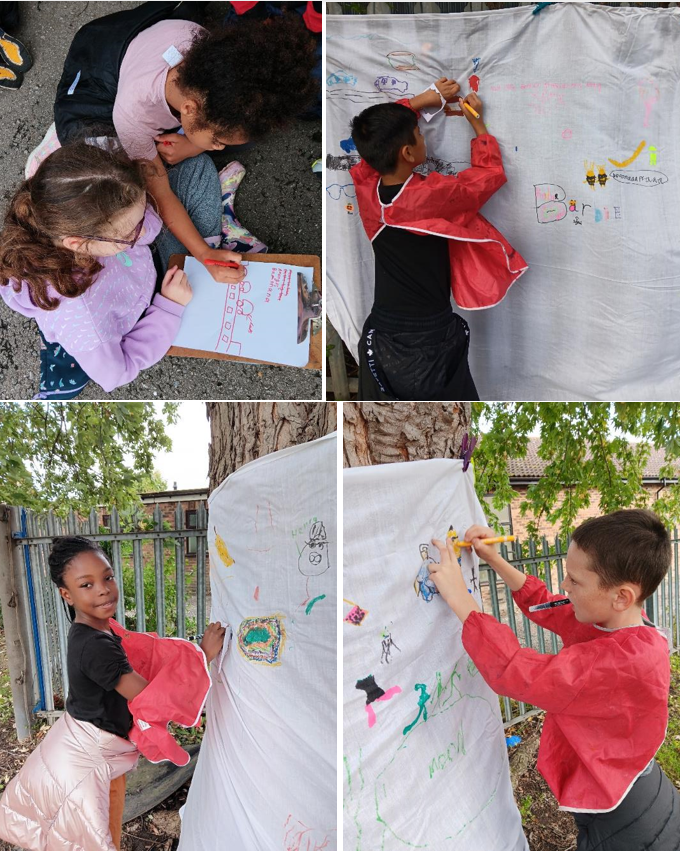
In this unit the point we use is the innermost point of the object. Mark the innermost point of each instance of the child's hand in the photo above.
(224, 274)
(176, 286)
(473, 100)
(475, 534)
(175, 147)
(447, 575)
(447, 88)
(212, 641)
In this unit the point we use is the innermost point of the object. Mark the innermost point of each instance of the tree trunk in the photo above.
(384, 432)
(243, 431)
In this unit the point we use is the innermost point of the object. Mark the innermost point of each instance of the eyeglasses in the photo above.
(335, 190)
(129, 242)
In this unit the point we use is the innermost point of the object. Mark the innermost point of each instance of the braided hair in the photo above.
(64, 549)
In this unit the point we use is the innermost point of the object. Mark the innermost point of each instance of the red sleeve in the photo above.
(547, 681)
(485, 176)
(560, 620)
(407, 103)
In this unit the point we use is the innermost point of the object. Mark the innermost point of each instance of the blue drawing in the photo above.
(336, 190)
(348, 145)
(475, 64)
(340, 78)
(423, 585)
(391, 85)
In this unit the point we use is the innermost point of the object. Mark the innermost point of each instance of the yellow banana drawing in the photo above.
(222, 550)
(637, 153)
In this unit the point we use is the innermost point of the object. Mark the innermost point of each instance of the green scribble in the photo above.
(440, 762)
(311, 603)
(472, 668)
(422, 710)
(350, 798)
(256, 634)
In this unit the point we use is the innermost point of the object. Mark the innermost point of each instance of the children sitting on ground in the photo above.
(429, 240)
(75, 255)
(605, 693)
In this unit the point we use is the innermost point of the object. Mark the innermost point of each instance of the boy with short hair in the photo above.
(429, 240)
(605, 693)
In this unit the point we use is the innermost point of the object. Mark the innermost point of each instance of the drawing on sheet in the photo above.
(423, 584)
(402, 60)
(341, 78)
(341, 163)
(297, 836)
(422, 708)
(375, 694)
(634, 156)
(348, 145)
(237, 319)
(387, 645)
(263, 523)
(222, 550)
(550, 200)
(441, 166)
(391, 85)
(313, 559)
(261, 639)
(356, 615)
(649, 95)
(337, 190)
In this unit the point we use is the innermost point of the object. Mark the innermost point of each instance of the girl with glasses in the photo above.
(75, 256)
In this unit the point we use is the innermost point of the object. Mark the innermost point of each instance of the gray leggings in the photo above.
(196, 183)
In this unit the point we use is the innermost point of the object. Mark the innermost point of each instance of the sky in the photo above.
(187, 463)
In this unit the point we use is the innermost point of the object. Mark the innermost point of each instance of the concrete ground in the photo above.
(279, 201)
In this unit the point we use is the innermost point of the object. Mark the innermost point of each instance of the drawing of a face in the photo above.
(390, 84)
(313, 560)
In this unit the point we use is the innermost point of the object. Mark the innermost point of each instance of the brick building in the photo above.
(529, 469)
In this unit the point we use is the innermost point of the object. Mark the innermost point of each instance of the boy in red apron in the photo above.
(429, 241)
(605, 693)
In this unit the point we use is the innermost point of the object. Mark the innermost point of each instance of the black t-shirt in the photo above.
(412, 271)
(96, 661)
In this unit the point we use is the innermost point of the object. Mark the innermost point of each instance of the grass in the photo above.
(668, 756)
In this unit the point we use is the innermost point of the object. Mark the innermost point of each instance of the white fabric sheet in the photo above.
(566, 91)
(266, 774)
(443, 783)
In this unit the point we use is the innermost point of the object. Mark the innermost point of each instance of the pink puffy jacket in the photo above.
(59, 800)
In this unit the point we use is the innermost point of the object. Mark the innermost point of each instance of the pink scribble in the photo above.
(566, 134)
(649, 94)
(369, 706)
(299, 837)
(256, 595)
(473, 82)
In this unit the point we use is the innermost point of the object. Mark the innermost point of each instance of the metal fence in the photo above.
(141, 549)
(546, 560)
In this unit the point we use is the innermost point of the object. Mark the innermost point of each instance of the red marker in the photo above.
(222, 263)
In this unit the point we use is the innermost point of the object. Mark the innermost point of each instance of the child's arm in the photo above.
(178, 221)
(446, 89)
(212, 641)
(130, 685)
(174, 148)
(526, 590)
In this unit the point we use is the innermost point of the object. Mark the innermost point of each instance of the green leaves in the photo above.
(75, 455)
(593, 451)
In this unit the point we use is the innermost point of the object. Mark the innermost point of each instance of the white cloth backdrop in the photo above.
(266, 774)
(442, 783)
(597, 314)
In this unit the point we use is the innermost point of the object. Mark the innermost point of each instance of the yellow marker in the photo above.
(501, 539)
(470, 109)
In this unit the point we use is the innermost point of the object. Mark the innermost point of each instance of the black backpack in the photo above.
(89, 82)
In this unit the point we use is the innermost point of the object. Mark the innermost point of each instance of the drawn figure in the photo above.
(222, 550)
(261, 639)
(336, 190)
(572, 206)
(635, 155)
(348, 145)
(602, 176)
(475, 586)
(356, 614)
(390, 85)
(473, 82)
(374, 693)
(402, 60)
(298, 837)
(590, 174)
(577, 221)
(652, 155)
(349, 209)
(313, 560)
(244, 307)
(423, 585)
(475, 64)
(649, 95)
(422, 710)
(387, 645)
(339, 78)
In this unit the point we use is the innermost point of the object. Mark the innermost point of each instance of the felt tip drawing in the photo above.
(256, 318)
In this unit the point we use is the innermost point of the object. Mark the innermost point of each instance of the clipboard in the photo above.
(315, 345)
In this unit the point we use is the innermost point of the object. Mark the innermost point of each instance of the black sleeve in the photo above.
(104, 661)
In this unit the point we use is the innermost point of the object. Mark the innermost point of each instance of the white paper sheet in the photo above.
(254, 319)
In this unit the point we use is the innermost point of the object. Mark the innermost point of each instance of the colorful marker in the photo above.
(501, 539)
(470, 109)
(222, 263)
(552, 605)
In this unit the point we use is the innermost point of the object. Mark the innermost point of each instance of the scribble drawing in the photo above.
(652, 155)
(348, 145)
(550, 206)
(222, 550)
(473, 82)
(387, 645)
(402, 60)
(440, 166)
(472, 668)
(262, 639)
(423, 585)
(352, 798)
(341, 163)
(475, 586)
(475, 64)
(354, 95)
(635, 155)
(313, 560)
(391, 85)
(311, 603)
(237, 319)
(356, 614)
(263, 522)
(341, 78)
(337, 190)
(375, 693)
(422, 709)
(649, 95)
(298, 837)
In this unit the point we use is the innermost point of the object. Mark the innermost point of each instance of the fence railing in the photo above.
(149, 561)
(546, 561)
